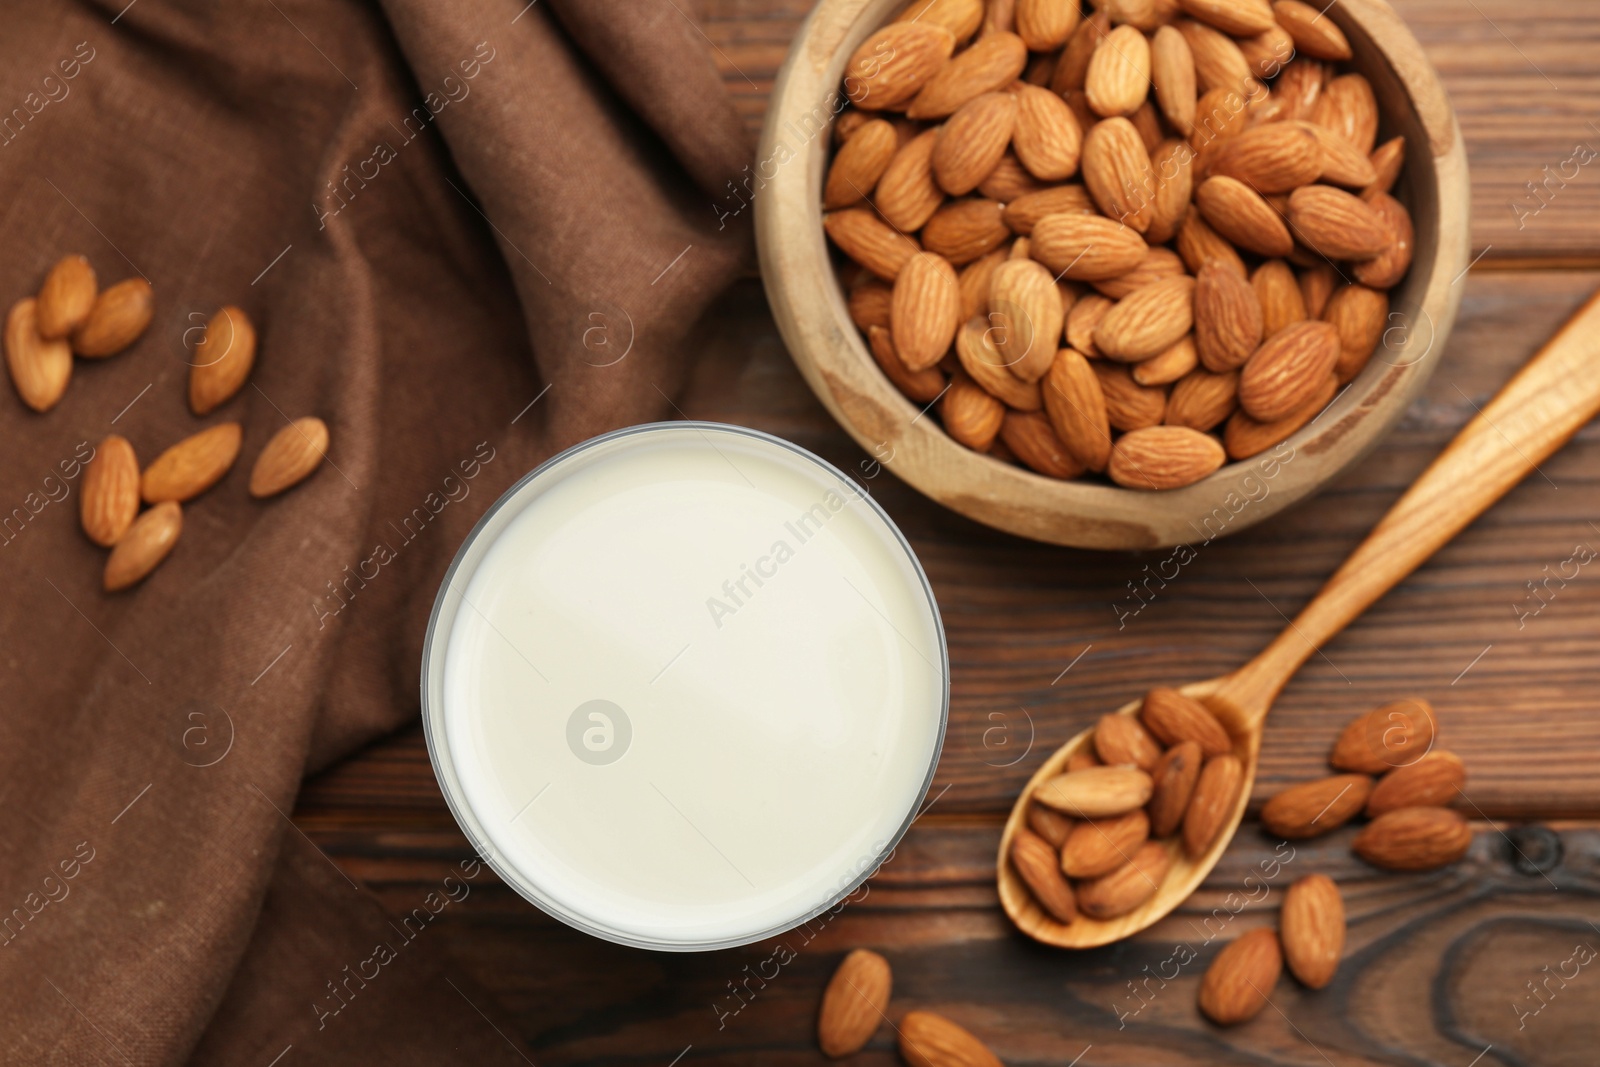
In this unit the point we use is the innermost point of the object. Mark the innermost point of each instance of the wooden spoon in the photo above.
(1536, 413)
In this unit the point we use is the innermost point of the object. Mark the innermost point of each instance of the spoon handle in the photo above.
(1537, 412)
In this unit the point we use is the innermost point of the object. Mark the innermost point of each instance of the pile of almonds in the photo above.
(71, 315)
(1102, 242)
(856, 1003)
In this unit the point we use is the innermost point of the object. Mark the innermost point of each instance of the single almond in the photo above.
(865, 238)
(1175, 776)
(1025, 318)
(1287, 370)
(1199, 245)
(1164, 457)
(1174, 718)
(1010, 179)
(1023, 213)
(1119, 739)
(1158, 265)
(907, 195)
(1432, 781)
(1045, 25)
(1414, 839)
(1118, 173)
(1240, 980)
(1083, 320)
(1172, 162)
(142, 548)
(972, 141)
(1100, 846)
(1240, 18)
(222, 360)
(1348, 107)
(1275, 158)
(961, 17)
(191, 466)
(1219, 115)
(1046, 136)
(39, 369)
(1147, 322)
(970, 414)
(986, 364)
(1050, 824)
(925, 310)
(1241, 215)
(1033, 440)
(1118, 78)
(119, 316)
(1318, 807)
(66, 297)
(1076, 406)
(1314, 33)
(1072, 69)
(1299, 86)
(1244, 436)
(1040, 867)
(1335, 224)
(1202, 400)
(110, 491)
(1312, 927)
(854, 1003)
(924, 386)
(1129, 405)
(1086, 247)
(869, 305)
(1279, 295)
(993, 62)
(1218, 63)
(894, 63)
(1096, 793)
(1170, 366)
(1227, 318)
(1268, 52)
(1342, 163)
(963, 230)
(1385, 270)
(1387, 159)
(858, 164)
(1317, 283)
(1359, 316)
(1172, 77)
(977, 280)
(1210, 808)
(930, 1040)
(1127, 887)
(290, 457)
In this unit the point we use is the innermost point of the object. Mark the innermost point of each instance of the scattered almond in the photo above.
(191, 466)
(290, 457)
(119, 317)
(854, 1003)
(930, 1040)
(142, 548)
(110, 499)
(1318, 807)
(39, 369)
(222, 360)
(1240, 980)
(66, 297)
(1391, 736)
(1414, 839)
(1435, 780)
(1312, 929)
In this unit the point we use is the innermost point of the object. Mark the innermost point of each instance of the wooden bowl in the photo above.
(811, 312)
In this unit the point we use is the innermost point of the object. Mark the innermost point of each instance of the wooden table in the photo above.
(1438, 966)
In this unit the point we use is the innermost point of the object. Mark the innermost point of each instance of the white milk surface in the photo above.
(775, 658)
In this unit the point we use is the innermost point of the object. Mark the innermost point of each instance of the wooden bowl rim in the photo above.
(813, 318)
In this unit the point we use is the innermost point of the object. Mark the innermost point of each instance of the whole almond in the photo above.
(1086, 247)
(1360, 316)
(119, 316)
(1414, 839)
(858, 164)
(1239, 213)
(1072, 70)
(1083, 320)
(1299, 86)
(66, 297)
(854, 1003)
(1127, 887)
(1050, 824)
(1172, 76)
(1119, 739)
(1118, 78)
(1158, 265)
(1148, 321)
(39, 369)
(923, 386)
(1202, 400)
(142, 548)
(869, 305)
(1387, 159)
(1033, 440)
(1046, 136)
(977, 281)
(1313, 32)
(1342, 163)
(1278, 293)
(1311, 925)
(849, 121)
(1010, 179)
(963, 230)
(1244, 437)
(1096, 793)
(1385, 270)
(110, 491)
(1219, 115)
(929, 1040)
(1164, 457)
(1025, 318)
(1314, 808)
(1100, 846)
(1335, 224)
(1227, 317)
(1240, 980)
(1432, 781)
(1076, 407)
(1287, 370)
(1045, 25)
(961, 17)
(1173, 165)
(970, 414)
(1023, 213)
(1218, 63)
(1129, 405)
(907, 194)
(925, 310)
(1040, 867)
(1170, 366)
(893, 64)
(1118, 173)
(223, 360)
(191, 466)
(1241, 18)
(986, 364)
(1268, 52)
(1211, 806)
(865, 238)
(1275, 158)
(1199, 245)
(1083, 759)
(1175, 718)
(972, 141)
(1175, 776)
(1317, 283)
(1349, 108)
(289, 457)
(993, 62)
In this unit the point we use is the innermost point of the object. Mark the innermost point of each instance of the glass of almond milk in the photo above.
(685, 686)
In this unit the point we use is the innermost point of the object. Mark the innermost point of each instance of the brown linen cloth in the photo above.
(438, 213)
